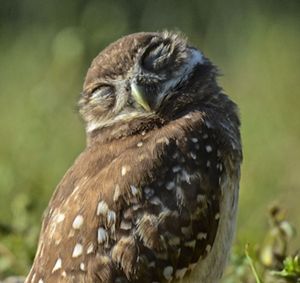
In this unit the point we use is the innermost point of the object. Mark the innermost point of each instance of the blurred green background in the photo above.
(45, 50)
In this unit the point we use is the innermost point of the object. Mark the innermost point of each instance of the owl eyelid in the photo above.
(101, 90)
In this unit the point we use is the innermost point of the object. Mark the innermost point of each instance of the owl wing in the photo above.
(140, 209)
(175, 221)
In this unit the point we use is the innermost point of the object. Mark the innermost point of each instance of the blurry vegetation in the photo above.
(272, 261)
(45, 49)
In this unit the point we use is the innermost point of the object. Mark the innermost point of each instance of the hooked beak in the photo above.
(140, 97)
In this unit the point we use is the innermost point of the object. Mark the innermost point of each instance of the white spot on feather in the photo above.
(125, 225)
(139, 144)
(208, 124)
(193, 155)
(174, 241)
(142, 157)
(123, 170)
(170, 186)
(186, 230)
(82, 266)
(220, 166)
(180, 195)
(77, 250)
(59, 217)
(156, 201)
(208, 248)
(148, 192)
(102, 208)
(190, 244)
(57, 265)
(101, 236)
(116, 193)
(176, 169)
(200, 198)
(134, 190)
(201, 236)
(168, 272)
(90, 248)
(111, 218)
(186, 177)
(78, 221)
(208, 148)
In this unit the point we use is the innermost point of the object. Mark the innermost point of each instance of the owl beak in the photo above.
(139, 96)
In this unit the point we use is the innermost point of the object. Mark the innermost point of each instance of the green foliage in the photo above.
(45, 49)
(291, 269)
(272, 261)
(253, 268)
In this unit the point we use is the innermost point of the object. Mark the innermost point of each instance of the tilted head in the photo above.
(145, 74)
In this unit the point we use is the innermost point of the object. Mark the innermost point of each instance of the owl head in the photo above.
(145, 74)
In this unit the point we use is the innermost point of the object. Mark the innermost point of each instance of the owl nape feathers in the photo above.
(153, 196)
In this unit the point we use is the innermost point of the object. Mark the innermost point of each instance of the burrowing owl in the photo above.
(153, 197)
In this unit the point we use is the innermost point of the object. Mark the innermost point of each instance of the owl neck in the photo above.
(123, 129)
